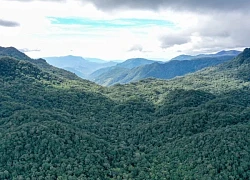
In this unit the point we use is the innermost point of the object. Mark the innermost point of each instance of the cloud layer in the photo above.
(136, 47)
(170, 40)
(8, 23)
(191, 5)
(25, 50)
(120, 29)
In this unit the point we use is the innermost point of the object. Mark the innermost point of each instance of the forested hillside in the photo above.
(218, 54)
(54, 125)
(112, 75)
(158, 70)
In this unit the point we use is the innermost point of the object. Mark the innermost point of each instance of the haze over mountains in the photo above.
(151, 69)
(78, 65)
(229, 53)
(55, 125)
(110, 73)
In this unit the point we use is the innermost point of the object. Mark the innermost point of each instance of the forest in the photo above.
(56, 126)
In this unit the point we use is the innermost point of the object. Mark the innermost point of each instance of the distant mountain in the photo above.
(120, 68)
(166, 70)
(135, 62)
(96, 60)
(78, 65)
(100, 72)
(111, 76)
(182, 57)
(221, 53)
(228, 53)
(191, 127)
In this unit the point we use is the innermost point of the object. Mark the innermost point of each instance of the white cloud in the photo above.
(192, 32)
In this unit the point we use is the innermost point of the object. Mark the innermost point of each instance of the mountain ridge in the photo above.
(220, 53)
(77, 64)
(166, 70)
(191, 127)
(123, 66)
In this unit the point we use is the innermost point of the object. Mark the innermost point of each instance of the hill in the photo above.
(166, 70)
(110, 75)
(41, 63)
(135, 62)
(78, 65)
(96, 60)
(218, 54)
(13, 52)
(191, 127)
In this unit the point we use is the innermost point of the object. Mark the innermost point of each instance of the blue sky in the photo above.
(114, 23)
(118, 29)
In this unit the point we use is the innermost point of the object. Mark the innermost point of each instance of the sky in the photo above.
(122, 29)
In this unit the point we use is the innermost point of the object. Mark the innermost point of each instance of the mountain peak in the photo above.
(246, 53)
(240, 60)
(232, 53)
(13, 52)
(182, 57)
(229, 52)
(244, 57)
(134, 62)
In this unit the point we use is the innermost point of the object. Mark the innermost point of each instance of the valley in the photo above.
(55, 125)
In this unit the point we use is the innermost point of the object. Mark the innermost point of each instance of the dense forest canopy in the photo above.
(54, 125)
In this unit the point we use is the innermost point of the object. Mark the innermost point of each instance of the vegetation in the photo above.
(54, 125)
(112, 75)
(168, 70)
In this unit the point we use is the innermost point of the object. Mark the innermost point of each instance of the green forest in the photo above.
(56, 126)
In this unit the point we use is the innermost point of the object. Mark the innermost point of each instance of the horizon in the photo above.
(120, 30)
(154, 59)
(123, 60)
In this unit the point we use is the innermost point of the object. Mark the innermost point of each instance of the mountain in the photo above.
(182, 57)
(13, 52)
(166, 70)
(96, 60)
(228, 53)
(135, 62)
(103, 75)
(232, 53)
(41, 63)
(190, 127)
(78, 65)
(109, 76)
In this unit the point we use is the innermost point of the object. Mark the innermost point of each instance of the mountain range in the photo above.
(55, 125)
(152, 69)
(219, 54)
(110, 73)
(78, 65)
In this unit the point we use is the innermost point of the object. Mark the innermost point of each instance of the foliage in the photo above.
(192, 127)
(166, 70)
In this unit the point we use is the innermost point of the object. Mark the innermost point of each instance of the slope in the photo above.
(228, 76)
(78, 65)
(166, 70)
(41, 63)
(135, 62)
(218, 54)
(202, 124)
(13, 52)
(52, 127)
(102, 76)
(38, 125)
